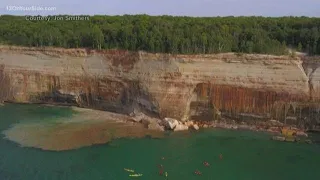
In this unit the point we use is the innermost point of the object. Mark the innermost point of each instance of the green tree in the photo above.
(299, 48)
(97, 37)
(167, 34)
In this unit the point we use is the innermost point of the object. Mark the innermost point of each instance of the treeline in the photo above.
(186, 35)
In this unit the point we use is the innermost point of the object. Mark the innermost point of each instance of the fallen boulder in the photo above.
(195, 127)
(149, 120)
(234, 127)
(155, 126)
(181, 127)
(170, 123)
(273, 122)
(137, 117)
(301, 133)
(189, 123)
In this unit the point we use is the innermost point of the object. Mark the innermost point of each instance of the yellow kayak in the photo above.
(135, 175)
(129, 170)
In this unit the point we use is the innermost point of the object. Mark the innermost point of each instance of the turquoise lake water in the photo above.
(246, 155)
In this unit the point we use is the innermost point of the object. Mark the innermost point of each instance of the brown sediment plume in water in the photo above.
(86, 128)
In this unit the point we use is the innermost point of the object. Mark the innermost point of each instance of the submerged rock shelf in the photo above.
(85, 128)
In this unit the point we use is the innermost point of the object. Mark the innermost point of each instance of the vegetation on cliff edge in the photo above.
(167, 34)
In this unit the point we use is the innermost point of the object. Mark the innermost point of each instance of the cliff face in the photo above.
(200, 87)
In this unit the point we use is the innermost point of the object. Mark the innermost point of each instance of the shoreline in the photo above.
(222, 124)
(281, 131)
(138, 120)
(84, 128)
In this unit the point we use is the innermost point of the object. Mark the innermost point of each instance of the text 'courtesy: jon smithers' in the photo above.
(57, 18)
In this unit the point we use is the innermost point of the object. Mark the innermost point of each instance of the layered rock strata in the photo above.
(199, 87)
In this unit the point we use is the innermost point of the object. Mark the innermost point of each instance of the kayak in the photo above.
(129, 170)
(135, 175)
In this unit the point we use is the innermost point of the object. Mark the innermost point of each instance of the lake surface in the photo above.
(246, 155)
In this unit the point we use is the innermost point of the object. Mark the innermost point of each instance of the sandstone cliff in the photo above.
(200, 87)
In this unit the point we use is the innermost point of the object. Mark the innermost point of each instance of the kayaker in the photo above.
(160, 172)
(197, 172)
(160, 169)
(206, 163)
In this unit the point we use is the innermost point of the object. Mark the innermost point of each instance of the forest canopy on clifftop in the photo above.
(167, 34)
